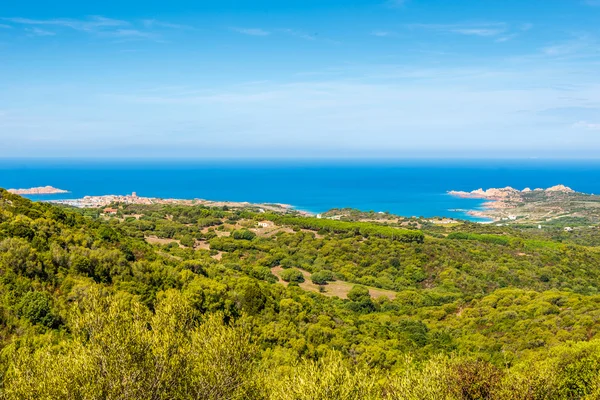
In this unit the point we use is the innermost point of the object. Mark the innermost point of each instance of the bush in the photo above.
(120, 350)
(321, 277)
(187, 241)
(292, 275)
(36, 307)
(243, 234)
(359, 293)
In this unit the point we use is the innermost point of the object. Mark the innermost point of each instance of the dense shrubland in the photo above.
(90, 310)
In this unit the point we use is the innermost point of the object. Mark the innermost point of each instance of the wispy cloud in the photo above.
(581, 46)
(90, 24)
(379, 33)
(39, 32)
(153, 23)
(299, 34)
(506, 38)
(132, 33)
(94, 25)
(251, 31)
(483, 30)
(526, 26)
(590, 126)
(478, 31)
(3, 26)
(593, 3)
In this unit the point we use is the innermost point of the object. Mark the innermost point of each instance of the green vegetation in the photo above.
(322, 277)
(292, 275)
(357, 228)
(115, 308)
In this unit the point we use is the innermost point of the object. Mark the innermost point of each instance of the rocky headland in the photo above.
(532, 205)
(507, 192)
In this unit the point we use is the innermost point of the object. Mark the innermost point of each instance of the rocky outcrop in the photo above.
(507, 193)
(560, 188)
(492, 194)
(38, 190)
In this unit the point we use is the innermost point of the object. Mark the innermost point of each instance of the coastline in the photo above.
(134, 199)
(486, 206)
(100, 201)
(509, 204)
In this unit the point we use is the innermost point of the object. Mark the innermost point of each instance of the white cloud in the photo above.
(478, 31)
(90, 24)
(131, 33)
(526, 26)
(3, 26)
(582, 45)
(39, 32)
(381, 33)
(298, 34)
(252, 31)
(491, 29)
(95, 25)
(590, 126)
(394, 109)
(506, 38)
(153, 23)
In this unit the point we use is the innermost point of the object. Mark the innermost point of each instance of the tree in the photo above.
(243, 234)
(359, 293)
(187, 241)
(120, 350)
(321, 277)
(36, 307)
(361, 301)
(292, 275)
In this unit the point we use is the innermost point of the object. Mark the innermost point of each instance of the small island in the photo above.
(550, 205)
(38, 190)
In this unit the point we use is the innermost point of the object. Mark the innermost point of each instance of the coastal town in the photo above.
(133, 198)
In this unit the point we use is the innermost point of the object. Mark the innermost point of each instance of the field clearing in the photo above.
(337, 288)
(157, 240)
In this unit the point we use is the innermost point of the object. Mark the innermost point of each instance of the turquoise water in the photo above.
(408, 188)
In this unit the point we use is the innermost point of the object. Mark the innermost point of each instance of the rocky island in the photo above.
(38, 190)
(511, 205)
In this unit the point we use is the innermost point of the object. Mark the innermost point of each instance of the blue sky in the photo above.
(300, 78)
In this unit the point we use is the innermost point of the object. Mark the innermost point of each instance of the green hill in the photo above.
(181, 302)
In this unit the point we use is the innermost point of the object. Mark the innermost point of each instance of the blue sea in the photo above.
(403, 187)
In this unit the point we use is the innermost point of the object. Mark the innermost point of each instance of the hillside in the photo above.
(177, 302)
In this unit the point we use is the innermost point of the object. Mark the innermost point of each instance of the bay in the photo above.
(403, 187)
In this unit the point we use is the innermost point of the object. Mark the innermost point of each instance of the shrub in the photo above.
(321, 277)
(243, 234)
(292, 275)
(35, 307)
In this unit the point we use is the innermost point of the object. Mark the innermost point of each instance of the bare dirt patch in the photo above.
(202, 245)
(337, 288)
(162, 241)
